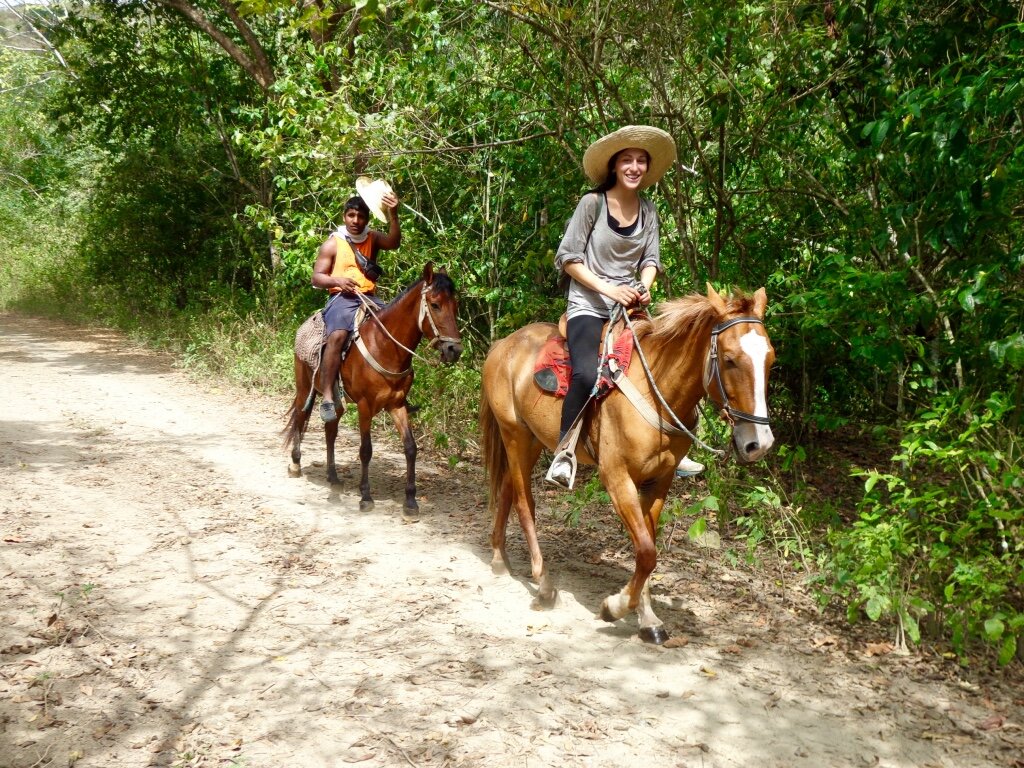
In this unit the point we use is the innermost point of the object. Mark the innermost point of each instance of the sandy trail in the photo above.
(170, 597)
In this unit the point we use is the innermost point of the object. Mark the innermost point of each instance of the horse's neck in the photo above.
(401, 318)
(678, 369)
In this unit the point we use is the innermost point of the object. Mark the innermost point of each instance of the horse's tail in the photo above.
(296, 425)
(492, 450)
(291, 427)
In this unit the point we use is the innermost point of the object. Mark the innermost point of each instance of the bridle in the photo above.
(423, 313)
(713, 371)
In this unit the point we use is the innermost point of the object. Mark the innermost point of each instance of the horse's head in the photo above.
(736, 372)
(439, 314)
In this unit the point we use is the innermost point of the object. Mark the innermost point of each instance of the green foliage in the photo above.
(943, 535)
(588, 495)
(865, 165)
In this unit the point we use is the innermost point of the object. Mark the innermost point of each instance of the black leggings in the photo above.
(583, 333)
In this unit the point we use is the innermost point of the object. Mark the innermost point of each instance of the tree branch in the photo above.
(259, 70)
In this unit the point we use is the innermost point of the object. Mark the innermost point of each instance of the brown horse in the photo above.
(695, 346)
(377, 375)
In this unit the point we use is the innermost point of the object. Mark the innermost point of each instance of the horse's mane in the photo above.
(687, 316)
(681, 324)
(441, 282)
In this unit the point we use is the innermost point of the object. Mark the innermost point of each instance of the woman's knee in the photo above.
(584, 377)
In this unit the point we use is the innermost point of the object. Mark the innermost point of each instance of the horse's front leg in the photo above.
(331, 435)
(411, 510)
(365, 454)
(635, 595)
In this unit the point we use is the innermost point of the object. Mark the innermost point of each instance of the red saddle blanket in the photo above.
(553, 368)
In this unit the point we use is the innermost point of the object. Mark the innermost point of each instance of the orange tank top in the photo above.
(345, 264)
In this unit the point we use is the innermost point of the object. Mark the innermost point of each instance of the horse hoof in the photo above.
(294, 471)
(606, 614)
(545, 602)
(653, 635)
(366, 505)
(499, 567)
(411, 514)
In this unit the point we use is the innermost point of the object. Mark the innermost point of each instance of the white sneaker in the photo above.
(688, 468)
(562, 471)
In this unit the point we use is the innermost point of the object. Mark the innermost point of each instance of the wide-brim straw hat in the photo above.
(372, 191)
(657, 143)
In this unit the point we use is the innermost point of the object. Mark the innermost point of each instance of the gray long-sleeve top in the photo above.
(616, 258)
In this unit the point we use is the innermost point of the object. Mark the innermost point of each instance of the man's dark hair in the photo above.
(359, 204)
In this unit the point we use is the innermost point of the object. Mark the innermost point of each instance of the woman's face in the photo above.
(355, 221)
(631, 167)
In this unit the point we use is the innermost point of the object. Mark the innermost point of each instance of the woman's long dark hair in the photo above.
(610, 179)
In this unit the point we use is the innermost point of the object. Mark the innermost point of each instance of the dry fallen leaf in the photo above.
(877, 649)
(357, 756)
(709, 672)
(677, 641)
(992, 723)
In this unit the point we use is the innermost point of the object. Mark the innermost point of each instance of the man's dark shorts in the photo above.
(340, 312)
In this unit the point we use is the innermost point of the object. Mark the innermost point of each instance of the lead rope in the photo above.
(371, 308)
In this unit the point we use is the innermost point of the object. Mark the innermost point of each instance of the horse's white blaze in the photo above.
(756, 348)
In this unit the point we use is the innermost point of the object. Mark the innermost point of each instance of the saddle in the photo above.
(310, 340)
(553, 368)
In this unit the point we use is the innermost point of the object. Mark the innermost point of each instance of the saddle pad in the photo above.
(553, 368)
(309, 339)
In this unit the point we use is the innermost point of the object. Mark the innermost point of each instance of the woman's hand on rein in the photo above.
(625, 295)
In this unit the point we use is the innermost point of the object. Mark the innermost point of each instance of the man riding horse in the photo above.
(346, 266)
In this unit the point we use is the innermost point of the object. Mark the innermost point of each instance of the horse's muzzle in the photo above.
(752, 441)
(450, 351)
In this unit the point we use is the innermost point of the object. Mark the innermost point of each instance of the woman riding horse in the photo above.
(612, 236)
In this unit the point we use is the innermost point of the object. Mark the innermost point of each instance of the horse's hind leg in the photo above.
(411, 510)
(499, 522)
(521, 460)
(299, 415)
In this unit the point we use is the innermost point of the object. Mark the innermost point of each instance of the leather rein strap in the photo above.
(424, 313)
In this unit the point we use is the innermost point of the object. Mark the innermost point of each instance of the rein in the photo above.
(711, 370)
(438, 339)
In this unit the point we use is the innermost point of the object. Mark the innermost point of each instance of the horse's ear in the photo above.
(760, 302)
(428, 272)
(717, 302)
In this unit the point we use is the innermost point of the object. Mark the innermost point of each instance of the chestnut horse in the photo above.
(696, 346)
(377, 375)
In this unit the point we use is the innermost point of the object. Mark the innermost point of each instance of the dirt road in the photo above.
(171, 597)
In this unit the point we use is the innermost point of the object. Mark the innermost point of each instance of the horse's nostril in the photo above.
(751, 447)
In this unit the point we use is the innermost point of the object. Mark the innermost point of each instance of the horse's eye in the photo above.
(435, 305)
(730, 363)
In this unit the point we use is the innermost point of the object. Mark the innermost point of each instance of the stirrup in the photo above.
(562, 471)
